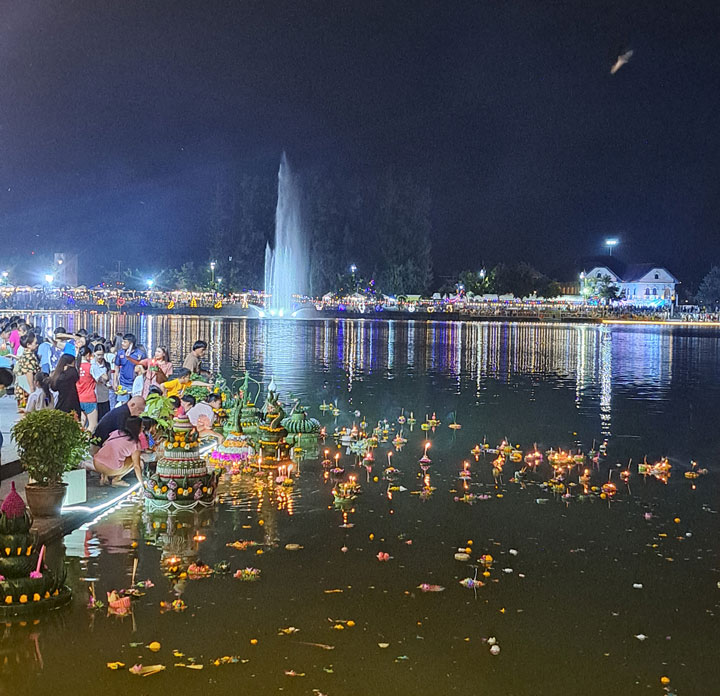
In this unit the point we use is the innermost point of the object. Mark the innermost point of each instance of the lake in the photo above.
(573, 581)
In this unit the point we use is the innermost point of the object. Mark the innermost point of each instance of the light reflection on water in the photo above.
(570, 620)
(657, 386)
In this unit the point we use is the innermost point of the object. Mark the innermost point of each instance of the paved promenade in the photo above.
(8, 418)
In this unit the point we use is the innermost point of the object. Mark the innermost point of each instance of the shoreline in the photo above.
(311, 314)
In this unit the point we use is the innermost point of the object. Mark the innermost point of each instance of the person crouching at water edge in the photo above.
(118, 454)
(201, 414)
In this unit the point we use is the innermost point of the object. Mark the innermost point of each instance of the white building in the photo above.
(639, 284)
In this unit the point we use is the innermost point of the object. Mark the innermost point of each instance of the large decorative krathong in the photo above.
(272, 434)
(260, 439)
(303, 431)
(26, 584)
(182, 480)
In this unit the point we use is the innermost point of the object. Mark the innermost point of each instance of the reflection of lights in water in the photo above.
(411, 344)
(605, 382)
(391, 349)
(459, 342)
(580, 370)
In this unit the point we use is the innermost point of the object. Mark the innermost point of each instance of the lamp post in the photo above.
(610, 243)
(212, 273)
(150, 282)
(353, 270)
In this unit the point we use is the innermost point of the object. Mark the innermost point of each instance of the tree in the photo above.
(240, 222)
(709, 291)
(603, 288)
(188, 277)
(522, 280)
(476, 282)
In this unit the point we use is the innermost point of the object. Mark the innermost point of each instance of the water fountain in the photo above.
(286, 264)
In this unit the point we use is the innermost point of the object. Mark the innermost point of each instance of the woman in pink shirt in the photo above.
(119, 454)
(159, 369)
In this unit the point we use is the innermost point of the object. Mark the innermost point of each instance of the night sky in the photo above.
(118, 117)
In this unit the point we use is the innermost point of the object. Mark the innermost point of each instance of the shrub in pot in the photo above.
(49, 443)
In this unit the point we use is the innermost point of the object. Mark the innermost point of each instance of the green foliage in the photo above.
(602, 288)
(241, 220)
(50, 443)
(160, 409)
(522, 280)
(709, 291)
(188, 277)
(476, 282)
(200, 393)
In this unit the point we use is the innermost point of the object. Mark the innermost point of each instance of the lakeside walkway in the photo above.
(8, 417)
(99, 498)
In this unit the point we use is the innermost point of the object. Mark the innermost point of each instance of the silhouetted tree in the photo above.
(709, 291)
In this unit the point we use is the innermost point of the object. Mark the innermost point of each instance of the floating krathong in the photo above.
(425, 461)
(248, 574)
(199, 570)
(427, 587)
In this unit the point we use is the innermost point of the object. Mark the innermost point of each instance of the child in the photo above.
(176, 386)
(110, 352)
(139, 381)
(41, 396)
(100, 370)
(86, 389)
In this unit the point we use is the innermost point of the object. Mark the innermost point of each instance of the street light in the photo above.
(353, 268)
(212, 272)
(150, 282)
(610, 243)
(583, 287)
(49, 278)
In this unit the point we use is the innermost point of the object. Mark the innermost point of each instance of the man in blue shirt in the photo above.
(5, 347)
(44, 352)
(125, 360)
(62, 345)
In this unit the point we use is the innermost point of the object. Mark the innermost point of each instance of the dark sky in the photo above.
(117, 117)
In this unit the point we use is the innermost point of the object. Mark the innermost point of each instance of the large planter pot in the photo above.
(45, 501)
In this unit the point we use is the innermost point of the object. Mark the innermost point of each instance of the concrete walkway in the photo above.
(99, 498)
(8, 417)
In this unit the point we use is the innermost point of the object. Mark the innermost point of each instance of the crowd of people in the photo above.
(104, 383)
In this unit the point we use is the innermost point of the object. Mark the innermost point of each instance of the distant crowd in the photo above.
(104, 383)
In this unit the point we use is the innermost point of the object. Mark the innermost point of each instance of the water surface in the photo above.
(565, 618)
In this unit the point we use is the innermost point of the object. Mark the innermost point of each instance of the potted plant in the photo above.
(160, 408)
(49, 443)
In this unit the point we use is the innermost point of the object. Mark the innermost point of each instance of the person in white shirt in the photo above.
(139, 381)
(41, 397)
(202, 415)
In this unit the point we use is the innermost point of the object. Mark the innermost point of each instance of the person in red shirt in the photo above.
(86, 389)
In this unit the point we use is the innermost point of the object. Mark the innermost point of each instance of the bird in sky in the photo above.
(621, 60)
